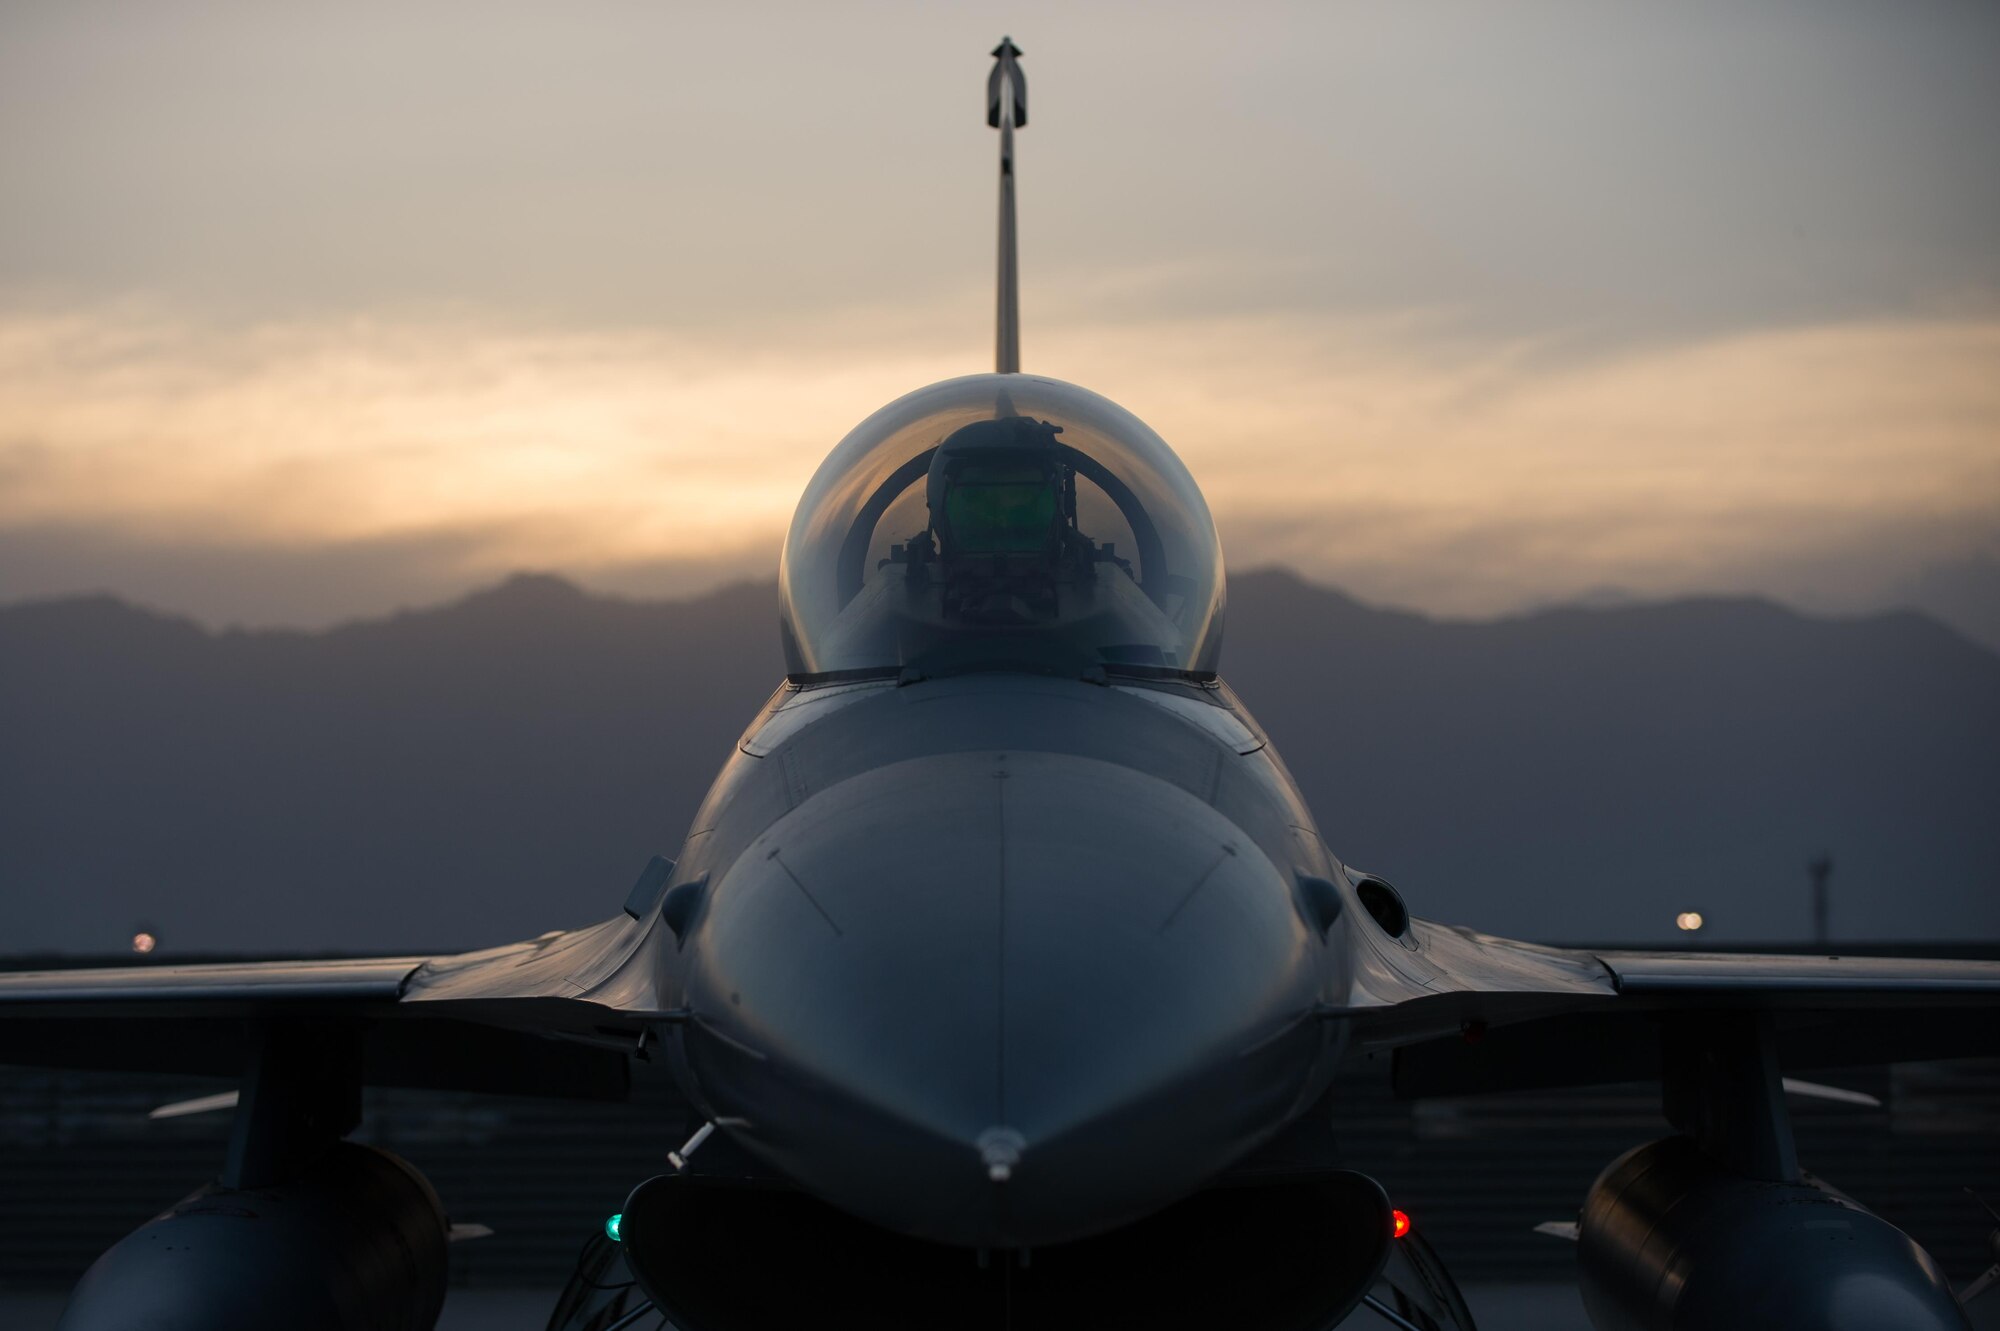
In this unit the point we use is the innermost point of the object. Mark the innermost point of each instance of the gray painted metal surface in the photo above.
(1067, 921)
(1016, 933)
(1671, 1241)
(1006, 111)
(378, 979)
(1879, 977)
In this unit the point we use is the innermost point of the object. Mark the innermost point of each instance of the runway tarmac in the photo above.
(1498, 1307)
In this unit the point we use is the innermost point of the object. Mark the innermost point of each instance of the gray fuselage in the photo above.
(1000, 959)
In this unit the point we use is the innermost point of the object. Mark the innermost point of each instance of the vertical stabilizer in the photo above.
(1006, 111)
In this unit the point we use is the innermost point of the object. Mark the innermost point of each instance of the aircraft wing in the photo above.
(559, 1015)
(563, 1014)
(1460, 1011)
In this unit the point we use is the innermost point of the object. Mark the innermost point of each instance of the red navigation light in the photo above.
(1401, 1225)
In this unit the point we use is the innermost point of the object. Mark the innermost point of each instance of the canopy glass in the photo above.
(1002, 522)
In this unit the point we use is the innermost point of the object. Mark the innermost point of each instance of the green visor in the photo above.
(1000, 510)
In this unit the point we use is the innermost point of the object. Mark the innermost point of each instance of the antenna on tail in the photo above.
(1006, 111)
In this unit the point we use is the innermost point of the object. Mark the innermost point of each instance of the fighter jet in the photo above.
(1011, 983)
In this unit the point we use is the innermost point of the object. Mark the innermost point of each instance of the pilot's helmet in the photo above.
(995, 521)
(996, 487)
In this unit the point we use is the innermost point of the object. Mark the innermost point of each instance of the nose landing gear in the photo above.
(601, 1294)
(1415, 1291)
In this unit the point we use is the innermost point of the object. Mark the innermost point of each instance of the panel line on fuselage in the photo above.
(1000, 966)
(1222, 855)
(778, 859)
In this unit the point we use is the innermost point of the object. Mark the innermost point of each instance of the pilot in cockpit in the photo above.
(1003, 541)
(1001, 523)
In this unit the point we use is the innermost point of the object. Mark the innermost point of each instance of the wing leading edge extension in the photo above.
(1463, 1011)
(559, 1015)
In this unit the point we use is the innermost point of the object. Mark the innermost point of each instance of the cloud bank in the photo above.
(308, 471)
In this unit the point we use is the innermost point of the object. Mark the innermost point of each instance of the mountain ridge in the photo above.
(516, 588)
(502, 764)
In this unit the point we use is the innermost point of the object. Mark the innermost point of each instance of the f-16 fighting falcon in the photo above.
(1010, 983)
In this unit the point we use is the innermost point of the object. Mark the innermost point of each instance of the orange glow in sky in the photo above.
(307, 313)
(1461, 480)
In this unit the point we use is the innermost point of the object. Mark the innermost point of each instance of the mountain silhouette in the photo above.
(504, 765)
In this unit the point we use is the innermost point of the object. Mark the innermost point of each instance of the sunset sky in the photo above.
(311, 311)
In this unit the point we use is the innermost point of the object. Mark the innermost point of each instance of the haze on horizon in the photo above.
(307, 312)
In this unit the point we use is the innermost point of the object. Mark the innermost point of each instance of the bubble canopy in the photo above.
(1001, 522)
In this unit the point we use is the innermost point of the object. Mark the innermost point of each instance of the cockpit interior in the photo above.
(1002, 522)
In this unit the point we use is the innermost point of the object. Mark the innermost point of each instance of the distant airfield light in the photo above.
(1688, 921)
(143, 942)
(611, 1226)
(1400, 1225)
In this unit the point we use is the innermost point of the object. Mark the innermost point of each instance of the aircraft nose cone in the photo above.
(1002, 999)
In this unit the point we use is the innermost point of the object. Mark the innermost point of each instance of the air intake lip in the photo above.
(1384, 904)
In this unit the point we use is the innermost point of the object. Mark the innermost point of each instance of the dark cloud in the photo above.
(1601, 173)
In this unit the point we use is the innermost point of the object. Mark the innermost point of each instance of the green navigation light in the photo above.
(611, 1227)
